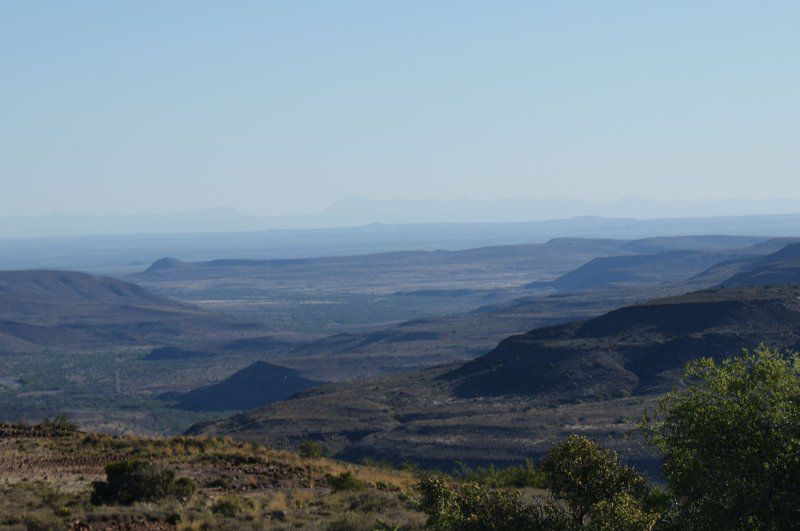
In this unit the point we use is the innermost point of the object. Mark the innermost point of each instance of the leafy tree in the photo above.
(731, 443)
(591, 480)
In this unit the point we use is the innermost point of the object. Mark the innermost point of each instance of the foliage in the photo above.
(521, 476)
(131, 481)
(588, 476)
(60, 424)
(227, 506)
(312, 449)
(345, 481)
(731, 442)
(471, 506)
(591, 489)
(623, 512)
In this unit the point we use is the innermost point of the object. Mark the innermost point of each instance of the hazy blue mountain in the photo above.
(120, 254)
(356, 211)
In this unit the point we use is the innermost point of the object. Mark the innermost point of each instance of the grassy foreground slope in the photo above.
(47, 477)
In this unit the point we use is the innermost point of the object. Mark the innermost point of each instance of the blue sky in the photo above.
(285, 107)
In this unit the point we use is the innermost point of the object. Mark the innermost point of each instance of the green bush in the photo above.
(590, 487)
(623, 512)
(521, 476)
(228, 507)
(471, 506)
(312, 449)
(132, 481)
(60, 424)
(731, 443)
(345, 481)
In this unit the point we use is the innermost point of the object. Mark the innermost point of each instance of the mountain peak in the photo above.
(164, 264)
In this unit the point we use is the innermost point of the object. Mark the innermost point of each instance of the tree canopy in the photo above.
(731, 442)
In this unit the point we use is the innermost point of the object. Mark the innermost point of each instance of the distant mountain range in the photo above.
(119, 255)
(354, 211)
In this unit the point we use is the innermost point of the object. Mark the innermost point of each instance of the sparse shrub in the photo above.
(217, 483)
(345, 481)
(520, 476)
(312, 449)
(228, 507)
(41, 522)
(277, 504)
(59, 425)
(471, 506)
(369, 502)
(376, 463)
(132, 481)
(352, 522)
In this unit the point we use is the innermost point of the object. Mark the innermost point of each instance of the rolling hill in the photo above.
(66, 309)
(254, 386)
(638, 271)
(781, 267)
(332, 295)
(695, 262)
(594, 376)
(720, 273)
(636, 349)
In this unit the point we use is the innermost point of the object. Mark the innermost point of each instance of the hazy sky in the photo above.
(282, 107)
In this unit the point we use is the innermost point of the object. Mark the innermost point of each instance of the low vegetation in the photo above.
(588, 488)
(312, 449)
(58, 480)
(133, 480)
(60, 424)
(729, 437)
(514, 476)
(345, 481)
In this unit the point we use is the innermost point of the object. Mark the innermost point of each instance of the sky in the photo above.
(284, 107)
